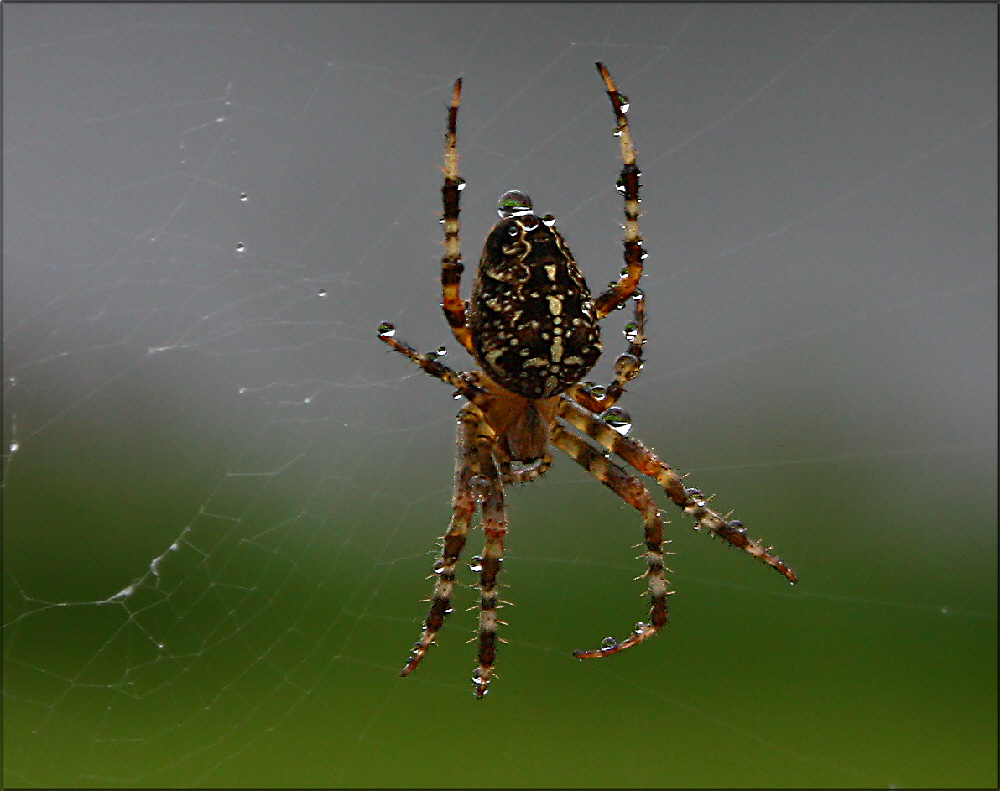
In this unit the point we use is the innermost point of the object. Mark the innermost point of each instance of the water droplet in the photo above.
(623, 101)
(618, 133)
(548, 221)
(14, 446)
(640, 627)
(124, 593)
(240, 247)
(441, 351)
(476, 564)
(627, 367)
(439, 567)
(698, 498)
(321, 292)
(461, 184)
(386, 330)
(631, 331)
(244, 197)
(618, 419)
(597, 391)
(608, 643)
(620, 185)
(513, 231)
(530, 222)
(513, 203)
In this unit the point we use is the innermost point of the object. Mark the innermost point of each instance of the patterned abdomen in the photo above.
(532, 319)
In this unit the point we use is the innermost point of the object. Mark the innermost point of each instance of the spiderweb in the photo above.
(221, 491)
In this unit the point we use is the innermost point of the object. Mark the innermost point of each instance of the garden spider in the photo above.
(534, 330)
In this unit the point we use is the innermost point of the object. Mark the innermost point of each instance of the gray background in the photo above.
(221, 491)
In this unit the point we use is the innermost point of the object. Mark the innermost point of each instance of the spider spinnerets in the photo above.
(534, 329)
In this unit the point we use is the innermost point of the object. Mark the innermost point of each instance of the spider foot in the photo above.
(643, 631)
(481, 680)
(419, 651)
(734, 533)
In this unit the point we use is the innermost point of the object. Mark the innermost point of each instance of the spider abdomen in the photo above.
(533, 323)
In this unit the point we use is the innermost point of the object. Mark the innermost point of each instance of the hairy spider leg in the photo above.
(477, 478)
(464, 503)
(628, 182)
(630, 489)
(494, 516)
(429, 362)
(627, 366)
(452, 304)
(691, 501)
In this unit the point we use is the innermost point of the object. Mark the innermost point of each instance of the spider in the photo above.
(533, 328)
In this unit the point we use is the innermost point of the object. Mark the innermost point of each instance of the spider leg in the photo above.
(630, 489)
(463, 383)
(627, 366)
(524, 475)
(451, 263)
(691, 501)
(628, 183)
(494, 516)
(467, 471)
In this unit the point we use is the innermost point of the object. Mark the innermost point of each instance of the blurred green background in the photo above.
(282, 636)
(222, 494)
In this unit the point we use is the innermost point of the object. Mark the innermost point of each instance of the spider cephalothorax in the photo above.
(533, 327)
